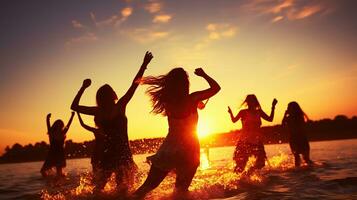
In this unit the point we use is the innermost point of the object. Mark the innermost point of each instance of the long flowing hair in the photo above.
(167, 90)
(295, 111)
(251, 101)
(106, 98)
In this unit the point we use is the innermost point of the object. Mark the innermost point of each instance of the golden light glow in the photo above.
(203, 130)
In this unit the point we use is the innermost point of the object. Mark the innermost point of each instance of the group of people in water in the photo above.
(180, 150)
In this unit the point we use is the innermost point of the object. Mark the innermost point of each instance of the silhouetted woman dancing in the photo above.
(56, 156)
(294, 121)
(250, 140)
(109, 116)
(180, 150)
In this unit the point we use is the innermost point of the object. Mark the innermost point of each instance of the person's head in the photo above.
(106, 96)
(57, 126)
(251, 102)
(294, 109)
(166, 90)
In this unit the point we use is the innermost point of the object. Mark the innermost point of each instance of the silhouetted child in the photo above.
(96, 158)
(56, 156)
(250, 139)
(180, 150)
(294, 121)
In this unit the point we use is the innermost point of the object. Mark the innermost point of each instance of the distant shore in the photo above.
(341, 127)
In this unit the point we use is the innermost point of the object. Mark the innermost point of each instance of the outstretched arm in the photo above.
(75, 104)
(69, 123)
(92, 129)
(48, 123)
(129, 94)
(271, 117)
(236, 118)
(205, 94)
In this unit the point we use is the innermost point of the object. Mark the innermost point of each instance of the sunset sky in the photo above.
(286, 49)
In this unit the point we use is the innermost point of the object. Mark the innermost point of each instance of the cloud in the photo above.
(153, 7)
(217, 31)
(305, 12)
(87, 37)
(126, 12)
(287, 9)
(145, 35)
(77, 24)
(114, 20)
(162, 18)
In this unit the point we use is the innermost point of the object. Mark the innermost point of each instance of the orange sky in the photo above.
(290, 50)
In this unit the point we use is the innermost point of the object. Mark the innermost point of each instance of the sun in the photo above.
(203, 130)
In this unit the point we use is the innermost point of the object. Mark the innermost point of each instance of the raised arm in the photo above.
(205, 94)
(48, 123)
(271, 116)
(129, 94)
(89, 128)
(75, 104)
(236, 118)
(69, 123)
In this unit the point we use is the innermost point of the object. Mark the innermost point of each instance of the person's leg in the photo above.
(59, 171)
(100, 178)
(241, 157)
(306, 157)
(261, 156)
(241, 162)
(297, 160)
(44, 170)
(155, 177)
(184, 176)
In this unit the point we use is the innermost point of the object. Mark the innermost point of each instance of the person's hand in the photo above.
(48, 115)
(229, 110)
(148, 57)
(86, 83)
(274, 103)
(200, 72)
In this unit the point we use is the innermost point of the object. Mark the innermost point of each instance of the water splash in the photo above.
(210, 181)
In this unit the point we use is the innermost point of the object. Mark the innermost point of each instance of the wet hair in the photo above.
(57, 126)
(105, 96)
(167, 90)
(294, 110)
(251, 101)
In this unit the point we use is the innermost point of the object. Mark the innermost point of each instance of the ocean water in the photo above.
(334, 176)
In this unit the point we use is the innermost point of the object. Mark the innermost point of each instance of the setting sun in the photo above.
(203, 130)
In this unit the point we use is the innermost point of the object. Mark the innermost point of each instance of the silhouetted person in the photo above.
(250, 140)
(294, 121)
(99, 139)
(109, 116)
(180, 150)
(56, 156)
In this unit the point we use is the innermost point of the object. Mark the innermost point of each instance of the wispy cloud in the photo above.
(114, 20)
(145, 35)
(217, 31)
(162, 18)
(287, 9)
(77, 24)
(153, 6)
(87, 37)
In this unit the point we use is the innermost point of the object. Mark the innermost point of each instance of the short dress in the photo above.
(181, 147)
(56, 154)
(250, 142)
(116, 151)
